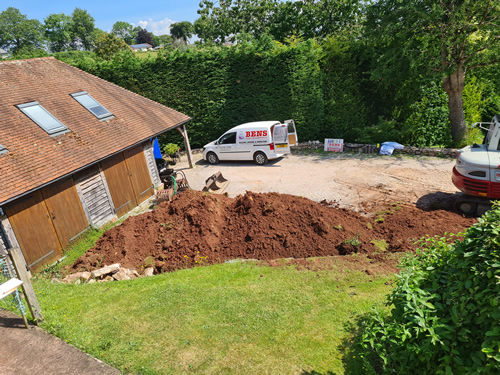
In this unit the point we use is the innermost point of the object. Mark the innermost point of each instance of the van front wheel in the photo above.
(260, 158)
(212, 158)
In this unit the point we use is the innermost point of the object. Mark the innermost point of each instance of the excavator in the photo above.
(477, 171)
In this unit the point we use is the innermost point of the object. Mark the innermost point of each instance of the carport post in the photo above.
(20, 267)
(183, 131)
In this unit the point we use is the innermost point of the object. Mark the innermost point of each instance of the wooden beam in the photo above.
(184, 134)
(20, 267)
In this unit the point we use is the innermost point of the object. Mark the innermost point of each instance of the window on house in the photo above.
(43, 118)
(92, 105)
(3, 150)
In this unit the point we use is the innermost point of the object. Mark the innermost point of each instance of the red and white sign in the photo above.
(256, 134)
(334, 145)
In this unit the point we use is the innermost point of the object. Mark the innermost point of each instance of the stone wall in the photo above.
(370, 149)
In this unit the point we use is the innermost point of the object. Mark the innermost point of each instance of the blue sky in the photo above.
(153, 15)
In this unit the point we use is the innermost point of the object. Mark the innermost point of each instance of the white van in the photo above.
(259, 141)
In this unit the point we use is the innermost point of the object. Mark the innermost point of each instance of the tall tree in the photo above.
(58, 31)
(108, 45)
(182, 30)
(82, 28)
(162, 39)
(125, 31)
(280, 19)
(18, 32)
(444, 37)
(144, 36)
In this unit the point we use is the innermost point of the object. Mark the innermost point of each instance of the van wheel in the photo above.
(260, 158)
(212, 158)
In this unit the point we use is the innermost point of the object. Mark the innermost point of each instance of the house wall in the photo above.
(150, 160)
(93, 196)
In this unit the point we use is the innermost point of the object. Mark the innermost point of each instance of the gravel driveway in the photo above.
(355, 181)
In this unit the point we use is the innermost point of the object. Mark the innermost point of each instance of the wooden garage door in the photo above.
(120, 187)
(139, 173)
(65, 210)
(34, 231)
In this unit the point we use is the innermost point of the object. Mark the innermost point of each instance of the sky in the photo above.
(156, 16)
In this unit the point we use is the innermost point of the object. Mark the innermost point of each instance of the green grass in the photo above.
(237, 318)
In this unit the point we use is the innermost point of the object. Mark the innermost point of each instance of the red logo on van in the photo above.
(256, 133)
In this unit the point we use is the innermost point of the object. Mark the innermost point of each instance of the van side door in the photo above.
(227, 147)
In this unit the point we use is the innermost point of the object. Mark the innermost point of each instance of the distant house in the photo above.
(3, 54)
(141, 47)
(75, 152)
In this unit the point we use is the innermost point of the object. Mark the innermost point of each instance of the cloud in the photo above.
(157, 27)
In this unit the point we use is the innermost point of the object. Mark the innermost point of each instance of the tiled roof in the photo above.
(143, 45)
(34, 158)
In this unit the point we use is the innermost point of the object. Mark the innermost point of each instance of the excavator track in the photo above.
(472, 206)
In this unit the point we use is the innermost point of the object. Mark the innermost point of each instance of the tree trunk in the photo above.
(454, 86)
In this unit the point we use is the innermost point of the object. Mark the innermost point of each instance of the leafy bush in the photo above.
(445, 316)
(170, 149)
(428, 123)
(345, 108)
(384, 130)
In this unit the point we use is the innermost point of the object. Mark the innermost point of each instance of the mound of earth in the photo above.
(199, 229)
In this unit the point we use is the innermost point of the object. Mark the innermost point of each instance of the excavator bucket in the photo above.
(164, 195)
(216, 183)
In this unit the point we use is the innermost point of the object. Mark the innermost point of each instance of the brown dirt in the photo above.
(200, 229)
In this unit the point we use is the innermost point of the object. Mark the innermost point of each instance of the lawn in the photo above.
(233, 318)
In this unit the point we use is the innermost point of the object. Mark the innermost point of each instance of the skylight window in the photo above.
(92, 105)
(43, 118)
(3, 150)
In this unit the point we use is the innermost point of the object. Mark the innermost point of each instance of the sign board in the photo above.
(9, 287)
(334, 145)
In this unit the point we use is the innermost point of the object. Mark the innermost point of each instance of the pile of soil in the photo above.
(199, 229)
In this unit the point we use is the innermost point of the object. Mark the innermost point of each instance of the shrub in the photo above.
(170, 149)
(428, 123)
(445, 316)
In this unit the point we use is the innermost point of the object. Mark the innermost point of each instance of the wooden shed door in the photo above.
(120, 187)
(34, 231)
(139, 173)
(65, 210)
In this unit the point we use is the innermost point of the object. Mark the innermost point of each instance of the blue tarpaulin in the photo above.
(156, 149)
(388, 147)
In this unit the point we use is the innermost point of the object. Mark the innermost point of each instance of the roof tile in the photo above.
(35, 158)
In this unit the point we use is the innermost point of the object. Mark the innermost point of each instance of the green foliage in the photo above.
(445, 317)
(82, 30)
(384, 130)
(428, 123)
(17, 32)
(443, 39)
(220, 21)
(58, 31)
(221, 87)
(345, 111)
(144, 36)
(162, 40)
(108, 45)
(125, 31)
(170, 149)
(182, 30)
(29, 53)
